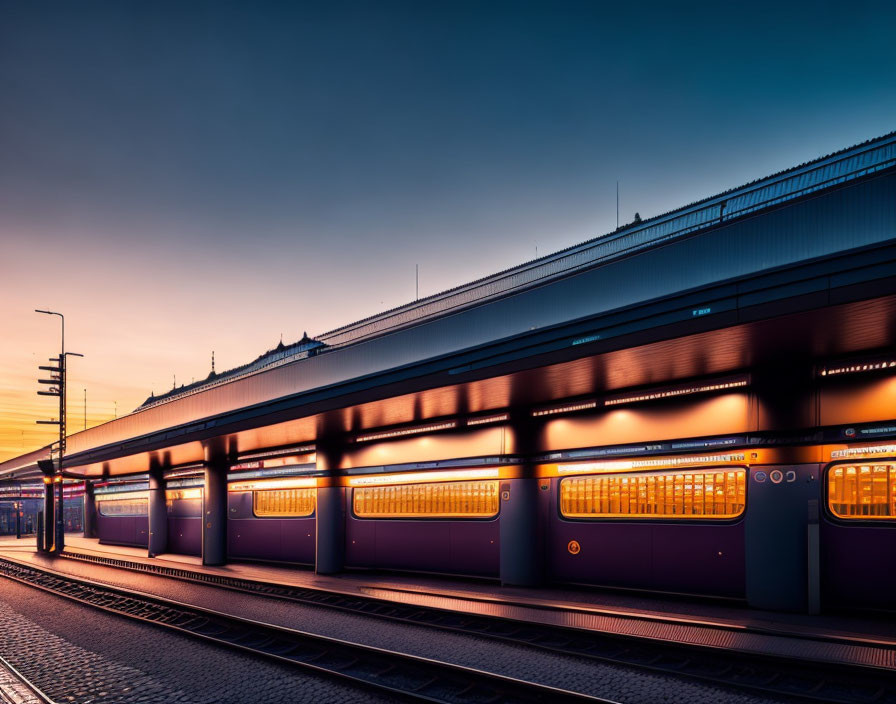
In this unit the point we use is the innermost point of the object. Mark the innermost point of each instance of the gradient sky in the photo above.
(185, 177)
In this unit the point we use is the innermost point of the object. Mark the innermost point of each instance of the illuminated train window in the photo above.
(292, 503)
(703, 494)
(864, 491)
(442, 500)
(172, 495)
(123, 507)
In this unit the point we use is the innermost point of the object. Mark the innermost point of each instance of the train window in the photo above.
(123, 507)
(284, 502)
(703, 494)
(442, 500)
(864, 491)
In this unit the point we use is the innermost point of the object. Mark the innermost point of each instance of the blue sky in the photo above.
(189, 176)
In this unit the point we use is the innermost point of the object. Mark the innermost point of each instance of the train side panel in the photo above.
(250, 537)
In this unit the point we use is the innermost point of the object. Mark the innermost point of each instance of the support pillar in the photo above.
(521, 540)
(158, 512)
(89, 510)
(781, 528)
(59, 544)
(18, 507)
(214, 521)
(49, 515)
(329, 556)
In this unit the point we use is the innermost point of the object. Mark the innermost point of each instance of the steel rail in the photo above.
(397, 674)
(769, 674)
(36, 693)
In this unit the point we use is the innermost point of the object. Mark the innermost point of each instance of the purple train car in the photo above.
(184, 521)
(123, 518)
(415, 522)
(669, 530)
(272, 519)
(858, 534)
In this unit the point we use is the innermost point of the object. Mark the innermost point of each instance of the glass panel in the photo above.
(706, 493)
(284, 502)
(441, 500)
(865, 491)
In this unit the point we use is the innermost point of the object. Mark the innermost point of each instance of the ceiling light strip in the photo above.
(402, 432)
(656, 462)
(570, 408)
(864, 451)
(488, 419)
(418, 477)
(268, 484)
(855, 368)
(680, 391)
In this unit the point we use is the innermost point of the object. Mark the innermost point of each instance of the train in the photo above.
(742, 524)
(691, 490)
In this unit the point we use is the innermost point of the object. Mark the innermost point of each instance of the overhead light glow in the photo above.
(418, 477)
(853, 368)
(680, 391)
(565, 409)
(406, 431)
(266, 484)
(178, 473)
(623, 465)
(864, 451)
(122, 495)
(195, 493)
(488, 419)
(298, 450)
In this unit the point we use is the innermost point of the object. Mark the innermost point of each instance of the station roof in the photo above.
(515, 308)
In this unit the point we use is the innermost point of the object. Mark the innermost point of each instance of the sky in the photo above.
(187, 177)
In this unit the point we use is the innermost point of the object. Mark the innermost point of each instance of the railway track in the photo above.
(407, 677)
(15, 688)
(776, 675)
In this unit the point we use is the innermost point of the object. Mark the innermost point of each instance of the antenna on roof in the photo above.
(213, 361)
(174, 383)
(617, 205)
(417, 281)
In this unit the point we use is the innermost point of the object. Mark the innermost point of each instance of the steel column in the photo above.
(214, 522)
(49, 515)
(158, 512)
(330, 511)
(89, 510)
(59, 544)
(520, 538)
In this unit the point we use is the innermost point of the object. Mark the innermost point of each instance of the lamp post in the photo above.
(58, 388)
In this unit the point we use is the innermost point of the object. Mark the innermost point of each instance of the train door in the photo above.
(781, 537)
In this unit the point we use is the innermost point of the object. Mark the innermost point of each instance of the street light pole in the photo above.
(58, 531)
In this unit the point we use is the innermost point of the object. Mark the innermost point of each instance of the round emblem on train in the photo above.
(574, 547)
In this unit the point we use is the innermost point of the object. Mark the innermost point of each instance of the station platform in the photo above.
(844, 639)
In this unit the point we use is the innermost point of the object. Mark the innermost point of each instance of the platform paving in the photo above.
(584, 608)
(81, 655)
(614, 682)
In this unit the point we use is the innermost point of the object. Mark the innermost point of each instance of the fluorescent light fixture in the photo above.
(864, 451)
(482, 420)
(569, 408)
(282, 452)
(178, 473)
(653, 462)
(859, 367)
(406, 431)
(450, 475)
(116, 495)
(678, 391)
(266, 484)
